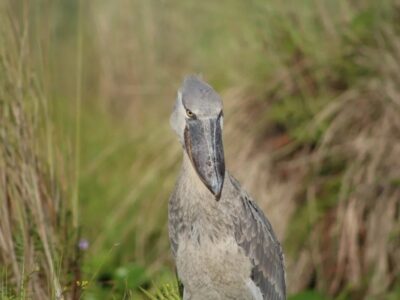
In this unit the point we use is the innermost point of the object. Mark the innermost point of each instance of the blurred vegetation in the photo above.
(38, 257)
(87, 161)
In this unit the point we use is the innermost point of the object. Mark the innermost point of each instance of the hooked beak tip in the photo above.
(217, 189)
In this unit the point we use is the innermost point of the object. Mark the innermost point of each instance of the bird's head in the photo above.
(197, 119)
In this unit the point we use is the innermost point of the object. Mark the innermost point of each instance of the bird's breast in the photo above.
(213, 266)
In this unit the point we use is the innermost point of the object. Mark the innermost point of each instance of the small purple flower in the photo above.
(83, 244)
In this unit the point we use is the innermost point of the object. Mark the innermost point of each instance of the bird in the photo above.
(223, 245)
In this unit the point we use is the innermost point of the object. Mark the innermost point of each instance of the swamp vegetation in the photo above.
(87, 160)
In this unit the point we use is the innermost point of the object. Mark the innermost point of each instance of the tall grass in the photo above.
(310, 90)
(309, 102)
(38, 259)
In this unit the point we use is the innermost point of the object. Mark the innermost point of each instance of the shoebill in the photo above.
(224, 246)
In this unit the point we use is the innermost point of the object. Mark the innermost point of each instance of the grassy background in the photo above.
(310, 88)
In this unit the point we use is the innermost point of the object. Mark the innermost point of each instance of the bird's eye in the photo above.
(189, 113)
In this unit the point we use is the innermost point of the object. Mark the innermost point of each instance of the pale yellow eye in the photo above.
(189, 113)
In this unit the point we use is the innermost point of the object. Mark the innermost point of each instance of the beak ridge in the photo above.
(203, 144)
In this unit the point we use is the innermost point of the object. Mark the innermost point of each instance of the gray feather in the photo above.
(254, 234)
(200, 97)
(174, 221)
(224, 246)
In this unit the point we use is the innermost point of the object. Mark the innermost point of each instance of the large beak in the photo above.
(203, 143)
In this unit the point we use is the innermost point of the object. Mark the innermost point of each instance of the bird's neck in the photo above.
(198, 207)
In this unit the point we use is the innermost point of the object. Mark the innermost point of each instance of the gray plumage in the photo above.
(200, 98)
(223, 244)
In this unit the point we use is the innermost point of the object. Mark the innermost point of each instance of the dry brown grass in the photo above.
(329, 182)
(359, 238)
(37, 248)
(336, 202)
(331, 187)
